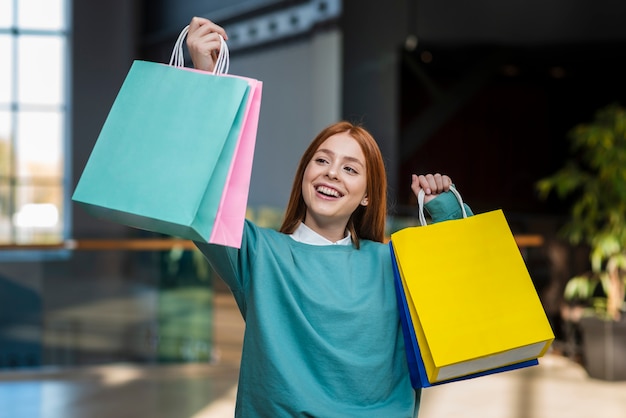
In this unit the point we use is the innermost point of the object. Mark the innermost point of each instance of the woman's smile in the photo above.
(328, 192)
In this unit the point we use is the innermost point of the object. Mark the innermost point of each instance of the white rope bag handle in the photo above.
(420, 204)
(178, 59)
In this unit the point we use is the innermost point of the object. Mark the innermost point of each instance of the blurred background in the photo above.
(485, 91)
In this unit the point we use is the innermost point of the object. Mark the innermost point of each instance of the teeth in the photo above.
(328, 191)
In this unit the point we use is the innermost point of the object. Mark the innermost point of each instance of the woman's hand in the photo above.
(432, 184)
(204, 43)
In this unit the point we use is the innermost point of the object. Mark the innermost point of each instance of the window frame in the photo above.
(14, 251)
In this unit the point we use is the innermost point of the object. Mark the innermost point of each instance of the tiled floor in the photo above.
(557, 388)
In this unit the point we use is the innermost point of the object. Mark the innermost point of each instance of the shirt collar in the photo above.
(306, 235)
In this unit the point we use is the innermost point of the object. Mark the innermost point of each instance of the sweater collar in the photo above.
(306, 235)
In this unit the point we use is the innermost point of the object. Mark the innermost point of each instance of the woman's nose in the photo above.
(331, 172)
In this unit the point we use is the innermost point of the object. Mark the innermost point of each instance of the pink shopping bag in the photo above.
(228, 227)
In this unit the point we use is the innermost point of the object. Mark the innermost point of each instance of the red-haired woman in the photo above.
(323, 336)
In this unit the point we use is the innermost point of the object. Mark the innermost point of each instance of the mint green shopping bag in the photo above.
(163, 155)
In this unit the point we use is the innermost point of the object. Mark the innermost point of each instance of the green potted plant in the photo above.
(595, 179)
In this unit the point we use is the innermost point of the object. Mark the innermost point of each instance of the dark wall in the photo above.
(497, 118)
(519, 22)
(104, 43)
(373, 35)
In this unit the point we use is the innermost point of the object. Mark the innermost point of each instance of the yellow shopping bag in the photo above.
(471, 300)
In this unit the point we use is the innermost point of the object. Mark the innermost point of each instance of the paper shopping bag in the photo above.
(417, 371)
(472, 306)
(171, 144)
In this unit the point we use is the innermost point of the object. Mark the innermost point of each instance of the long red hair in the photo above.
(366, 222)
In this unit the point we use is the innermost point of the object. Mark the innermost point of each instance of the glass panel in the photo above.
(39, 144)
(5, 216)
(6, 66)
(5, 144)
(40, 70)
(159, 308)
(41, 14)
(38, 214)
(6, 13)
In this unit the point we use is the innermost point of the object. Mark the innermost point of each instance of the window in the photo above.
(33, 121)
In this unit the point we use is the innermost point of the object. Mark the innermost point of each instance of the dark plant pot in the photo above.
(604, 348)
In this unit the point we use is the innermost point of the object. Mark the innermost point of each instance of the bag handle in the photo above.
(178, 59)
(420, 204)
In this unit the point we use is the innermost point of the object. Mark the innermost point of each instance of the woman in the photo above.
(323, 336)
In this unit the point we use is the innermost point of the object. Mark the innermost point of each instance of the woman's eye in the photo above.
(320, 160)
(350, 170)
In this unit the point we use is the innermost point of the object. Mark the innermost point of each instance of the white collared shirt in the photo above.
(308, 236)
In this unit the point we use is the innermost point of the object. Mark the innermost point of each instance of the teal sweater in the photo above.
(323, 336)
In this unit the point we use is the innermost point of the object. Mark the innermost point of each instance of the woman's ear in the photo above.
(364, 201)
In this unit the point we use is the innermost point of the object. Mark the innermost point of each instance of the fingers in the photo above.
(204, 43)
(205, 26)
(432, 184)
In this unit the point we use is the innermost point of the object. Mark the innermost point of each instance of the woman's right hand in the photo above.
(204, 43)
(432, 184)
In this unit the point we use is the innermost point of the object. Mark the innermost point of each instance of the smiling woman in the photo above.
(308, 291)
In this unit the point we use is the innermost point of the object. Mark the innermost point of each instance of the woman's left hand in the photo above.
(432, 184)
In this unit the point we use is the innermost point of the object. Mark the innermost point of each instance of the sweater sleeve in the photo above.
(446, 207)
(231, 264)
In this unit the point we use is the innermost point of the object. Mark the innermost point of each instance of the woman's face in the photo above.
(334, 183)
